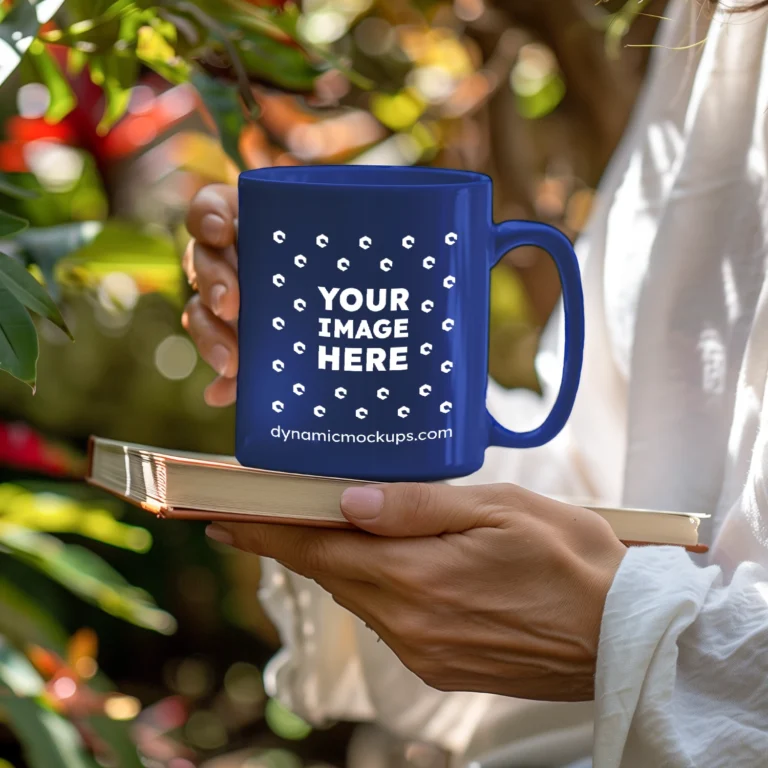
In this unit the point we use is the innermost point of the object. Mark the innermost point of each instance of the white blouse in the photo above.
(670, 415)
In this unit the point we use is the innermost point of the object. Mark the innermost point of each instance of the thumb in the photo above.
(418, 509)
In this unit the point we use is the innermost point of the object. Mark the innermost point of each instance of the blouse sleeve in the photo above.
(682, 677)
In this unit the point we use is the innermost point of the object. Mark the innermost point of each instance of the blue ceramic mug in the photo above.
(364, 321)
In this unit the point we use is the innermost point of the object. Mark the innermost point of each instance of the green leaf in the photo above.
(23, 621)
(19, 28)
(156, 52)
(96, 27)
(223, 104)
(82, 10)
(118, 73)
(189, 33)
(282, 29)
(10, 224)
(86, 575)
(93, 26)
(29, 292)
(150, 259)
(119, 737)
(17, 673)
(18, 339)
(47, 70)
(130, 23)
(46, 246)
(7, 187)
(76, 61)
(17, 31)
(280, 64)
(48, 739)
(175, 71)
(96, 69)
(56, 513)
(246, 16)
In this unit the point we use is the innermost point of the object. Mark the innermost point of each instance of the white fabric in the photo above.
(670, 414)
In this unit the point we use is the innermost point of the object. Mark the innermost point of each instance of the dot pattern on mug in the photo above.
(343, 264)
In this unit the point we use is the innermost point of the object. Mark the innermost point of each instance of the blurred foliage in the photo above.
(19, 292)
(113, 115)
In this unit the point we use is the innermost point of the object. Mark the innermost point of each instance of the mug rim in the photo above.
(290, 175)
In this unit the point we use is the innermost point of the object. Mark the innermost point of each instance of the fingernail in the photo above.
(212, 228)
(219, 359)
(217, 294)
(217, 533)
(362, 503)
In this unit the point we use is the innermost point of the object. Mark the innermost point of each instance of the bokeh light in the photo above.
(323, 26)
(192, 677)
(64, 688)
(468, 10)
(175, 357)
(56, 166)
(86, 667)
(118, 292)
(32, 100)
(435, 84)
(536, 81)
(285, 723)
(375, 36)
(121, 707)
(205, 729)
(243, 684)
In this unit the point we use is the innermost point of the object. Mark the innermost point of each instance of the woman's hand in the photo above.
(210, 263)
(478, 588)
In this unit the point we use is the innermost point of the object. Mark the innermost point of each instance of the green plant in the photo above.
(114, 40)
(58, 728)
(20, 292)
(176, 39)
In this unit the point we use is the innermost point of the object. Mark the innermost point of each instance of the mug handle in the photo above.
(513, 234)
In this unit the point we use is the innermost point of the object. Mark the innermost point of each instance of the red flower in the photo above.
(23, 448)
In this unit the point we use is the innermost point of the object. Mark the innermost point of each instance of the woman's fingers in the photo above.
(214, 278)
(221, 392)
(212, 215)
(210, 262)
(215, 340)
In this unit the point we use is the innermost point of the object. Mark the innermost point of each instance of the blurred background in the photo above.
(125, 641)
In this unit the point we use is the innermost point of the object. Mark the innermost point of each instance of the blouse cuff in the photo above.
(657, 593)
